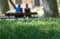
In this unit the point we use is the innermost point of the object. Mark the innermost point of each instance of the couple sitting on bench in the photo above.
(19, 9)
(27, 11)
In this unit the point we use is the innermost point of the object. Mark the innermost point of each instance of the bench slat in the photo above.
(18, 14)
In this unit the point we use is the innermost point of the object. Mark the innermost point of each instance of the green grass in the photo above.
(44, 28)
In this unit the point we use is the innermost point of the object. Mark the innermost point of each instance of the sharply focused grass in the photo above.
(30, 29)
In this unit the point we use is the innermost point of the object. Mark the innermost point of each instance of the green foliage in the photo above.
(45, 28)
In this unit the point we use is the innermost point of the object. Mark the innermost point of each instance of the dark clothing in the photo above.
(19, 9)
(27, 9)
(19, 15)
(27, 12)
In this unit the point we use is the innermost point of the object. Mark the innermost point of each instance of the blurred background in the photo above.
(43, 7)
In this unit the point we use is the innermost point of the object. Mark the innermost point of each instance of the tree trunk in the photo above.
(50, 8)
(4, 6)
(12, 4)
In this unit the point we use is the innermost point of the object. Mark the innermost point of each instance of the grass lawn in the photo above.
(44, 28)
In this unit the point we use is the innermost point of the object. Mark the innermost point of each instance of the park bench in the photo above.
(22, 14)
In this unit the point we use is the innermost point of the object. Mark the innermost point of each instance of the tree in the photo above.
(12, 4)
(4, 6)
(50, 8)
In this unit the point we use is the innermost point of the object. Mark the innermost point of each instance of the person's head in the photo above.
(18, 5)
(26, 5)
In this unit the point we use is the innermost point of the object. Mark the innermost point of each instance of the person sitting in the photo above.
(19, 9)
(27, 9)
